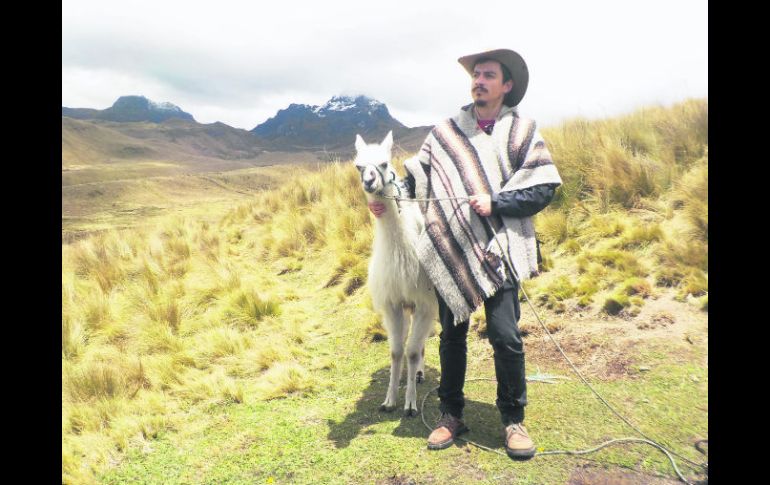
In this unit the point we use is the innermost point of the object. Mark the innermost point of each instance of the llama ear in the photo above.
(387, 143)
(360, 143)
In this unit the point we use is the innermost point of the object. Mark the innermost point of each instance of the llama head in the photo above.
(373, 163)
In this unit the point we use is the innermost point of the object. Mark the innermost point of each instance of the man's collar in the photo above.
(504, 110)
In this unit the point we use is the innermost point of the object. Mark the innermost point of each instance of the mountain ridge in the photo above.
(327, 129)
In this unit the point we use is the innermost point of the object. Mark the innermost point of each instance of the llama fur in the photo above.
(400, 289)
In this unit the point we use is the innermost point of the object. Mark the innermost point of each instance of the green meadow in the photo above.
(217, 327)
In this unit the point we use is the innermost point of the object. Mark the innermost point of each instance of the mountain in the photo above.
(163, 132)
(334, 125)
(131, 108)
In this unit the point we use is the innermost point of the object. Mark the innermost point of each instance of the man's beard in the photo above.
(480, 103)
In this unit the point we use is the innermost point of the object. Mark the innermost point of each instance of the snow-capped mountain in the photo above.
(346, 103)
(331, 125)
(131, 108)
(325, 129)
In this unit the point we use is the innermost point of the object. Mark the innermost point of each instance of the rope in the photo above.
(418, 199)
(560, 452)
(647, 440)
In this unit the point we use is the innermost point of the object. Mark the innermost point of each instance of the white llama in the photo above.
(401, 290)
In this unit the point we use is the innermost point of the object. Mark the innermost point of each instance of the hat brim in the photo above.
(515, 64)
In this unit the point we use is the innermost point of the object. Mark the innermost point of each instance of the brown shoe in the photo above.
(518, 444)
(443, 435)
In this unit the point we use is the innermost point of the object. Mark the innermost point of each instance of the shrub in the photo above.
(637, 286)
(615, 303)
(561, 288)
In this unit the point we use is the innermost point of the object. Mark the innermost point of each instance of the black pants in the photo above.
(503, 313)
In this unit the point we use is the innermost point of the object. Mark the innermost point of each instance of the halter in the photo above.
(392, 181)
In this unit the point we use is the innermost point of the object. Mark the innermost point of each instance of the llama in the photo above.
(401, 290)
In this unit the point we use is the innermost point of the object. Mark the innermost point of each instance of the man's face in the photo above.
(487, 85)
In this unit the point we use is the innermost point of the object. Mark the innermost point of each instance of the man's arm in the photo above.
(514, 203)
(524, 202)
(409, 184)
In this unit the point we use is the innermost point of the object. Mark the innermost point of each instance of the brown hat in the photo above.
(515, 64)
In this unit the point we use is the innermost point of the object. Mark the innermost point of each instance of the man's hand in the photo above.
(377, 208)
(482, 204)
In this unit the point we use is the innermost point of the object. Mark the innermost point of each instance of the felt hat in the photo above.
(515, 64)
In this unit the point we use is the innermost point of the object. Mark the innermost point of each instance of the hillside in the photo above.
(136, 134)
(238, 344)
(102, 145)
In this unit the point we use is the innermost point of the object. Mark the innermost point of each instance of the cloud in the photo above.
(240, 62)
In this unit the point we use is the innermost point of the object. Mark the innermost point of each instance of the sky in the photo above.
(239, 62)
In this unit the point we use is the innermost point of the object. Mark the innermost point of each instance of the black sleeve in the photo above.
(409, 184)
(524, 202)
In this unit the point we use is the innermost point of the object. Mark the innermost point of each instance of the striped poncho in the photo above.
(457, 249)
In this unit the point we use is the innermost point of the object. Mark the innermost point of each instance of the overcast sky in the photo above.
(239, 62)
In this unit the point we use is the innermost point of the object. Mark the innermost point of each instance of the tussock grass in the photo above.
(634, 201)
(560, 288)
(218, 342)
(585, 301)
(100, 260)
(704, 303)
(553, 227)
(165, 370)
(620, 260)
(141, 312)
(683, 254)
(73, 337)
(375, 331)
(247, 307)
(211, 386)
(641, 235)
(692, 194)
(586, 286)
(105, 373)
(668, 276)
(285, 378)
(615, 303)
(695, 284)
(621, 160)
(156, 337)
(97, 309)
(637, 286)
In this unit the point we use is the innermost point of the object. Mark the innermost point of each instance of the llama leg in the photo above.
(415, 349)
(421, 366)
(393, 320)
(426, 318)
(407, 325)
(420, 376)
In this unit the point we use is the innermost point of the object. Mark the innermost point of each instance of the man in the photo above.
(487, 171)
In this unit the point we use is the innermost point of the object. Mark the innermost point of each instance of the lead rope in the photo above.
(647, 440)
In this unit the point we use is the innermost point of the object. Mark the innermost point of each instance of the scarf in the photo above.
(458, 249)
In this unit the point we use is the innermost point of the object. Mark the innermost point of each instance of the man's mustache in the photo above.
(480, 89)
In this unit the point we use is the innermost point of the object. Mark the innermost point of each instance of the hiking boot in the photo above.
(443, 435)
(518, 444)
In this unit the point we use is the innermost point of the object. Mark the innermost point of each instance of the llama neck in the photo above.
(391, 217)
(393, 248)
(389, 225)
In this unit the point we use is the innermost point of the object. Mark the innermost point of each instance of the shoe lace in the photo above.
(515, 428)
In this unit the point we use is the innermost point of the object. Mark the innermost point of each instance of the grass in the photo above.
(338, 436)
(242, 347)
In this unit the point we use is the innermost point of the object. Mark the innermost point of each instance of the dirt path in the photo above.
(607, 347)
